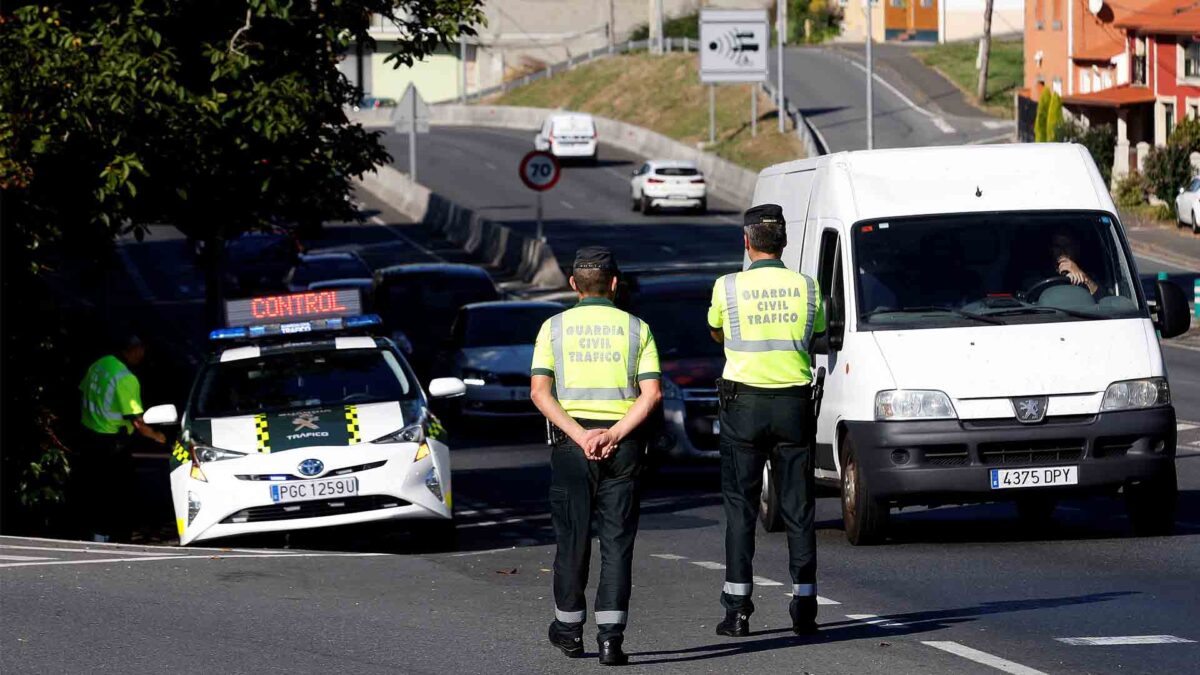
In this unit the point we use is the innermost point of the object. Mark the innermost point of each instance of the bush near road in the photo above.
(1006, 64)
(664, 94)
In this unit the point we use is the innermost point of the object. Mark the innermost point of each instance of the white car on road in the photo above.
(1187, 205)
(568, 136)
(298, 420)
(668, 183)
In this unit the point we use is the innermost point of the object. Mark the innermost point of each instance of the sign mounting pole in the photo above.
(781, 29)
(411, 117)
(412, 140)
(870, 83)
(539, 171)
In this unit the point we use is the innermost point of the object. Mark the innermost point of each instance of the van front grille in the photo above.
(1031, 452)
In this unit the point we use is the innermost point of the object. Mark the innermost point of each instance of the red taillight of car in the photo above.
(655, 180)
(698, 180)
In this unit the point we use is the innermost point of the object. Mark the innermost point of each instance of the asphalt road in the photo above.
(829, 87)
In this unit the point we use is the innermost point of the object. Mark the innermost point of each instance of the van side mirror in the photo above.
(1174, 315)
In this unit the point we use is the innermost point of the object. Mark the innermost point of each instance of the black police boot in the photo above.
(736, 624)
(568, 639)
(804, 614)
(611, 653)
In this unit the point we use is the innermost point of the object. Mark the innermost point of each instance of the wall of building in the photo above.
(854, 21)
(963, 19)
(1045, 49)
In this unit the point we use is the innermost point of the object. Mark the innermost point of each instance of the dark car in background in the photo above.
(676, 307)
(419, 302)
(491, 348)
(257, 262)
(311, 268)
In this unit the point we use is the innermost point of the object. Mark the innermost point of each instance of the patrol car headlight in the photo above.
(207, 453)
(670, 390)
(433, 483)
(413, 433)
(193, 506)
(912, 404)
(1135, 394)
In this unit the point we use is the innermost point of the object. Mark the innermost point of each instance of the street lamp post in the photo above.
(870, 83)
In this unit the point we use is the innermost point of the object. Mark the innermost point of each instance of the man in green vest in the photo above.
(111, 413)
(766, 317)
(595, 376)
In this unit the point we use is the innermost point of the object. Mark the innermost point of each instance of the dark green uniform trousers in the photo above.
(757, 423)
(608, 488)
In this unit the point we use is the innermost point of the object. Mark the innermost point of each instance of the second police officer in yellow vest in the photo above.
(595, 376)
(766, 317)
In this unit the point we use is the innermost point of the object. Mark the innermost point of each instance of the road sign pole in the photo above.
(412, 142)
(541, 235)
(753, 110)
(781, 29)
(712, 114)
(870, 83)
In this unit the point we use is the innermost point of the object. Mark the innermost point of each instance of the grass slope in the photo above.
(663, 93)
(1006, 70)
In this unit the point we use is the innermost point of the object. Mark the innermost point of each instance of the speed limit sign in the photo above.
(539, 170)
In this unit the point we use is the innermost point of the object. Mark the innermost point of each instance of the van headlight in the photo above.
(1134, 394)
(912, 404)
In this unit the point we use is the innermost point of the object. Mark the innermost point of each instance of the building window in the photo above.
(899, 4)
(1039, 13)
(1191, 58)
(1168, 119)
(1138, 76)
(927, 3)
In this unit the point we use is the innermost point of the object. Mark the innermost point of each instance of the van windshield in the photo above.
(992, 269)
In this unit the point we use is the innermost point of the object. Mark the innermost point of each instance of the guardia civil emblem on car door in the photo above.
(1030, 409)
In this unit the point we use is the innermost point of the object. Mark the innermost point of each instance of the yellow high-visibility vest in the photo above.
(111, 396)
(767, 315)
(596, 354)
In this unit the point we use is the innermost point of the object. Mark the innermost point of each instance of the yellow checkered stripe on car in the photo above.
(352, 425)
(262, 435)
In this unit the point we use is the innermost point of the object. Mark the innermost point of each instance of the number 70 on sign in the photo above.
(539, 170)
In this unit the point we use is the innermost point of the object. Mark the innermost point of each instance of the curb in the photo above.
(1166, 255)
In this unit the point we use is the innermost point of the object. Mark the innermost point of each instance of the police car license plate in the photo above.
(1046, 476)
(301, 490)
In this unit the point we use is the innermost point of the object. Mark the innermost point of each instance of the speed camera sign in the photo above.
(539, 170)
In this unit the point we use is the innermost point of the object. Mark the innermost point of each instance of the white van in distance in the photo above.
(988, 338)
(568, 136)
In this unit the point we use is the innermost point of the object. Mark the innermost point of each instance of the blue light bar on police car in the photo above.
(296, 328)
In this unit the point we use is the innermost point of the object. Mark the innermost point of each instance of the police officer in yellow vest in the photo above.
(766, 317)
(110, 413)
(595, 377)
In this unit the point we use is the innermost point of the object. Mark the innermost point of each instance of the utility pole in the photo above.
(985, 48)
(871, 81)
(612, 23)
(781, 32)
(661, 25)
(462, 72)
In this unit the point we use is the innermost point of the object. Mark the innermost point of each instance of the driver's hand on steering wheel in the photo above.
(1071, 271)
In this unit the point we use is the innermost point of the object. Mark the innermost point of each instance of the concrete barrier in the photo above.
(725, 179)
(495, 245)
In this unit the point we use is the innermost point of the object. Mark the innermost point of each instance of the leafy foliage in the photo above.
(1168, 169)
(686, 26)
(1039, 121)
(1100, 141)
(1131, 190)
(1054, 117)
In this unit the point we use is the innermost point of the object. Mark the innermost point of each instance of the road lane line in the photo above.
(84, 550)
(101, 561)
(1182, 426)
(763, 581)
(493, 523)
(983, 658)
(21, 558)
(708, 565)
(405, 238)
(117, 547)
(875, 620)
(1124, 640)
(820, 600)
(937, 120)
(668, 556)
(487, 552)
(489, 165)
(566, 204)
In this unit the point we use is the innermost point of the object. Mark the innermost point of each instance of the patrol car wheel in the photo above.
(1151, 505)
(769, 512)
(863, 516)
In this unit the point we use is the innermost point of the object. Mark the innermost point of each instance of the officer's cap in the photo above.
(595, 258)
(764, 214)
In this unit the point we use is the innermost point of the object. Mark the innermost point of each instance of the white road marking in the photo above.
(83, 550)
(490, 166)
(875, 620)
(468, 512)
(937, 120)
(21, 558)
(118, 546)
(101, 561)
(1124, 640)
(492, 523)
(566, 204)
(402, 237)
(820, 600)
(763, 581)
(708, 565)
(942, 125)
(489, 551)
(668, 556)
(983, 657)
(995, 124)
(1183, 426)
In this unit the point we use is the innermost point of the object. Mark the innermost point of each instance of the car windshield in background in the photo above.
(330, 268)
(992, 269)
(679, 323)
(416, 301)
(302, 380)
(676, 171)
(497, 327)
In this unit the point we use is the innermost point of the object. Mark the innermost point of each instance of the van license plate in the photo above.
(298, 491)
(1046, 476)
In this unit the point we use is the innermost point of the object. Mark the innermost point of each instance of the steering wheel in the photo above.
(1035, 291)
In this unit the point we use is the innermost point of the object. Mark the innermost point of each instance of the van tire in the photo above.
(770, 514)
(864, 517)
(1151, 505)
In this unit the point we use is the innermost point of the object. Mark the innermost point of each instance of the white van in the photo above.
(568, 136)
(962, 363)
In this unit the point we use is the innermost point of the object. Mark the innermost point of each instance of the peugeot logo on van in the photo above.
(1031, 409)
(311, 467)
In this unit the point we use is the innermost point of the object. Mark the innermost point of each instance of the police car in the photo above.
(302, 419)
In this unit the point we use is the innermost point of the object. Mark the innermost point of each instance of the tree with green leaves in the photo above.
(1039, 120)
(216, 116)
(1054, 117)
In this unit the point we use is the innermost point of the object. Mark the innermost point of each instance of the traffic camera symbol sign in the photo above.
(539, 170)
(733, 45)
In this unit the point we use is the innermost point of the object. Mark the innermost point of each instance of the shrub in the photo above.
(1168, 169)
(1131, 190)
(1039, 120)
(1187, 135)
(1100, 141)
(1054, 117)
(687, 26)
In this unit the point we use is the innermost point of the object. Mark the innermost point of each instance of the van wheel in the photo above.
(864, 517)
(1036, 512)
(1151, 505)
(769, 511)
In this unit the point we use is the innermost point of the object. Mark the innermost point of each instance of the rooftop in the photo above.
(1175, 17)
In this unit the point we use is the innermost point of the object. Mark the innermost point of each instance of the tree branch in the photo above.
(238, 33)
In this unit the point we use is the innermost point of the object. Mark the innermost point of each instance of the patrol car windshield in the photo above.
(991, 269)
(302, 379)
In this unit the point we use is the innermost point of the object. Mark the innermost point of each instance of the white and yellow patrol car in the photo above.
(300, 419)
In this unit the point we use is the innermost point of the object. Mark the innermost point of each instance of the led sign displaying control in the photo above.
(292, 307)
